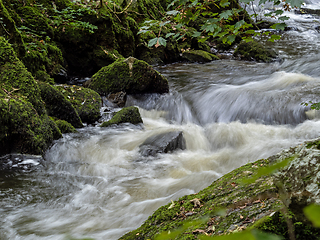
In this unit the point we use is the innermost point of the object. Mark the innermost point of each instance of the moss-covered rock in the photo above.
(10, 31)
(125, 115)
(58, 106)
(22, 129)
(24, 124)
(257, 204)
(254, 51)
(86, 101)
(129, 75)
(65, 127)
(199, 56)
(15, 77)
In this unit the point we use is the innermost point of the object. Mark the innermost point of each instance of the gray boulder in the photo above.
(163, 143)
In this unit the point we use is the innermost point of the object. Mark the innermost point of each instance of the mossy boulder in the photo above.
(125, 115)
(10, 31)
(58, 106)
(199, 56)
(254, 51)
(65, 127)
(86, 101)
(22, 129)
(129, 75)
(24, 124)
(15, 77)
(256, 204)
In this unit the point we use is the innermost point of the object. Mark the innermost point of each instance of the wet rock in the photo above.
(58, 106)
(125, 115)
(86, 101)
(307, 11)
(18, 162)
(299, 181)
(163, 143)
(128, 75)
(254, 51)
(118, 99)
(199, 56)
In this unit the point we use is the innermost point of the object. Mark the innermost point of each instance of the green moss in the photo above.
(65, 127)
(104, 57)
(8, 29)
(199, 56)
(277, 224)
(58, 106)
(125, 115)
(129, 75)
(86, 101)
(15, 77)
(22, 129)
(254, 51)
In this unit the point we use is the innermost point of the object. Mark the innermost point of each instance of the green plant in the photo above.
(70, 16)
(217, 19)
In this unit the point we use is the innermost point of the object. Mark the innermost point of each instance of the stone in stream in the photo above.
(254, 51)
(125, 115)
(199, 56)
(129, 75)
(163, 143)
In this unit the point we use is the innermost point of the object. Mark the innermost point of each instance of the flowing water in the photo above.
(96, 184)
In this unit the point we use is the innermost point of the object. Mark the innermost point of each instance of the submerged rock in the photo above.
(163, 143)
(254, 51)
(129, 75)
(19, 162)
(199, 56)
(125, 115)
(86, 101)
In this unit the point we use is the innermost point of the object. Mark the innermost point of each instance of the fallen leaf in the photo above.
(196, 202)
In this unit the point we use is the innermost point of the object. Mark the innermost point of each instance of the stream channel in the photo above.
(95, 184)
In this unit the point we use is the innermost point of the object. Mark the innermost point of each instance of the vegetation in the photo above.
(220, 19)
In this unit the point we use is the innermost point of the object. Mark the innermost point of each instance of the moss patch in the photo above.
(254, 51)
(86, 101)
(129, 75)
(24, 124)
(199, 56)
(58, 106)
(125, 115)
(65, 127)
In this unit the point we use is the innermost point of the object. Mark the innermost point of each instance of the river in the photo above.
(95, 184)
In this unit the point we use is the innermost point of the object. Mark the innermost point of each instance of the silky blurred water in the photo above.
(94, 183)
